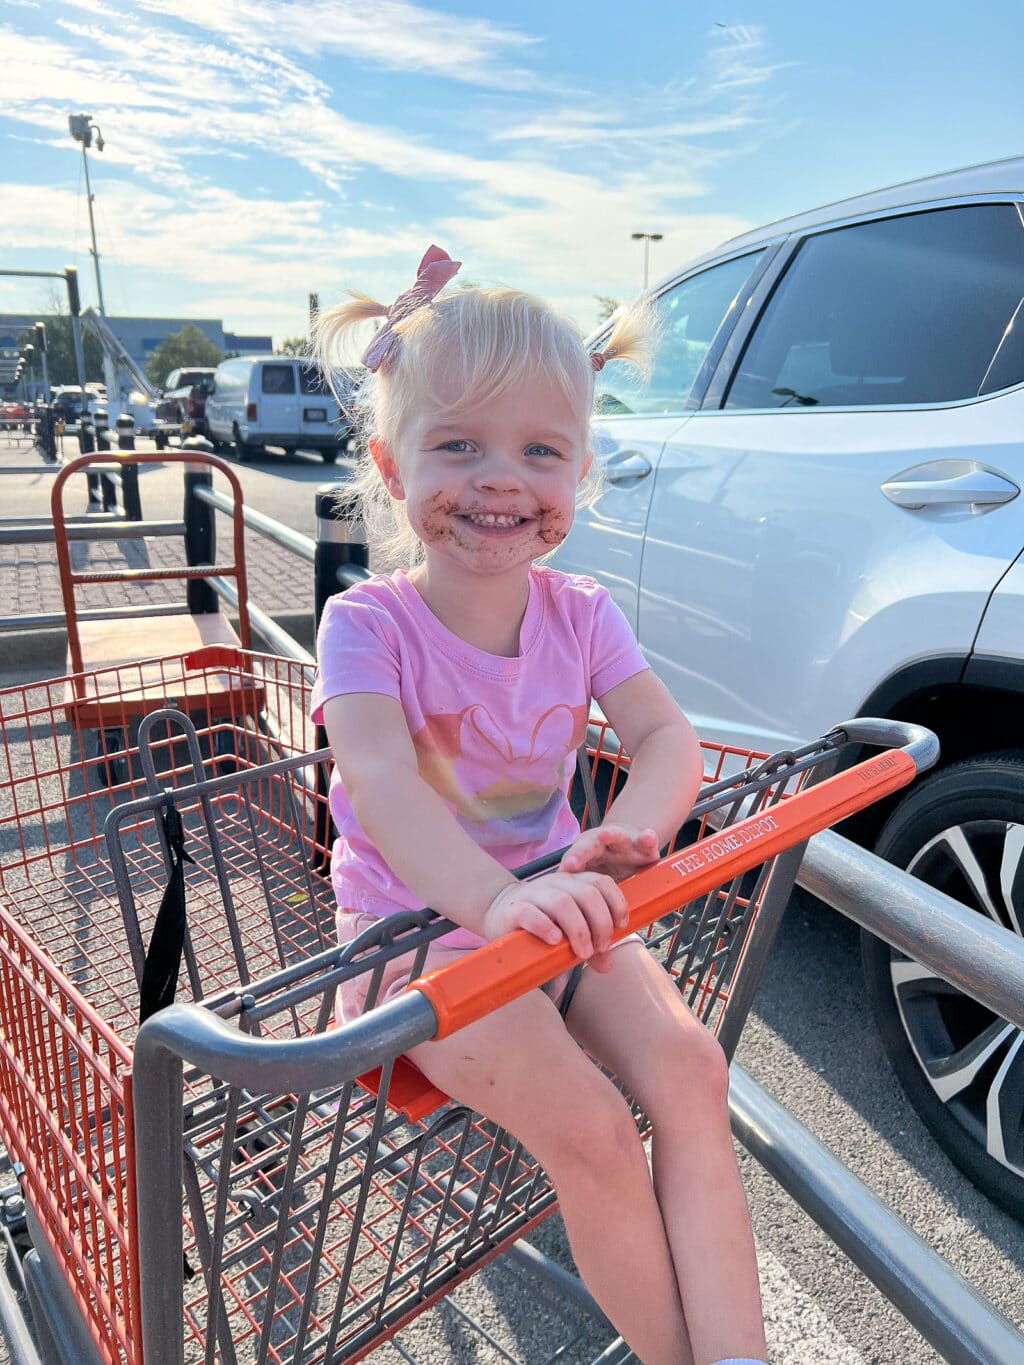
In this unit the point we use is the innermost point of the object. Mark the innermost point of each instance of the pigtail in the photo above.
(634, 337)
(393, 543)
(331, 337)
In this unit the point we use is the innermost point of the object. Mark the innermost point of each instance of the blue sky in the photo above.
(257, 150)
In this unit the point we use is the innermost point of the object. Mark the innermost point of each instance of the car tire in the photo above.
(244, 451)
(961, 830)
(329, 455)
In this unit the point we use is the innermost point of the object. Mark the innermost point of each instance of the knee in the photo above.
(599, 1137)
(695, 1072)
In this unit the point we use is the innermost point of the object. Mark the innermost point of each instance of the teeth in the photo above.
(493, 519)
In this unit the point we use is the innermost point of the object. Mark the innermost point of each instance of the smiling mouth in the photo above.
(500, 520)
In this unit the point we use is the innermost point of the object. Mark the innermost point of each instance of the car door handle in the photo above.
(971, 484)
(627, 466)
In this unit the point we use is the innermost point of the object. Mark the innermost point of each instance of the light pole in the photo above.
(40, 331)
(81, 128)
(29, 354)
(647, 238)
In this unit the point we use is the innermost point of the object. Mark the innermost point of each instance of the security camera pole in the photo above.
(81, 128)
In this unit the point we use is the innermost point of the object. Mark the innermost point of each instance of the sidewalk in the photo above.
(279, 582)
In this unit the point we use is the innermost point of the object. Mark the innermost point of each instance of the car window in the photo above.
(689, 316)
(311, 380)
(912, 309)
(278, 379)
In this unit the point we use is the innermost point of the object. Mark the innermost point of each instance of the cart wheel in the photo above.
(112, 767)
(962, 831)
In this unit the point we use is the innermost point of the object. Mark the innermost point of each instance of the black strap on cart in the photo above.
(163, 957)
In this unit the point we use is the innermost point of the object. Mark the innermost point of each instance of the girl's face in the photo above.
(494, 487)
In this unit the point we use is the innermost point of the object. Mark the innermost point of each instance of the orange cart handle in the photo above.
(499, 972)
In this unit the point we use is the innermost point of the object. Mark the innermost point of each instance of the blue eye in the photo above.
(457, 447)
(541, 450)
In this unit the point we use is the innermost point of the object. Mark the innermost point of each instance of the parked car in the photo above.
(16, 415)
(182, 406)
(68, 403)
(811, 513)
(259, 401)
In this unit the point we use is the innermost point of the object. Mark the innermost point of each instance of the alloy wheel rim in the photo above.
(972, 1059)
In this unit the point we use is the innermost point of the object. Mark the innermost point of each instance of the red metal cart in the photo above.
(239, 1180)
(146, 633)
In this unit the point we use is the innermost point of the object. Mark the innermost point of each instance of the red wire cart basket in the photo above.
(238, 1179)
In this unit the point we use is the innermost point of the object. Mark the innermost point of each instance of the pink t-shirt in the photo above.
(495, 737)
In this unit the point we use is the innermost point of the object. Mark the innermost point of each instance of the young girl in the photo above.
(454, 693)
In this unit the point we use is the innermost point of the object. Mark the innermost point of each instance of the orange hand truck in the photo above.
(99, 700)
(238, 1180)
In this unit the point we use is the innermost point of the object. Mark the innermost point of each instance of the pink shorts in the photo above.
(351, 997)
(351, 1000)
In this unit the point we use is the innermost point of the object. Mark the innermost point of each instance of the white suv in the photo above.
(812, 512)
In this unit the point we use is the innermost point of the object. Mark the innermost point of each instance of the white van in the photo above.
(259, 401)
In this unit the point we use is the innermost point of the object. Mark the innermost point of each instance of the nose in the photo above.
(499, 472)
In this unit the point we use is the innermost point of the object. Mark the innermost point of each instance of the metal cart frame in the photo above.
(331, 1195)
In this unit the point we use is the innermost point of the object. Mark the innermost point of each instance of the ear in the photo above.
(388, 469)
(588, 460)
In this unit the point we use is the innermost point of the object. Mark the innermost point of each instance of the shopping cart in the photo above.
(238, 1180)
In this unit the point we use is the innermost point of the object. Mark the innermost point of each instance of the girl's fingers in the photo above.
(584, 908)
(613, 896)
(612, 845)
(539, 924)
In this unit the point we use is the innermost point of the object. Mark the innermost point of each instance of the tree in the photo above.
(606, 307)
(179, 350)
(296, 346)
(60, 351)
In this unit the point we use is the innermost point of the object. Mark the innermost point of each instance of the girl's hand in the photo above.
(616, 850)
(585, 908)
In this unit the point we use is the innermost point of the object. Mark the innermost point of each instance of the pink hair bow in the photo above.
(435, 270)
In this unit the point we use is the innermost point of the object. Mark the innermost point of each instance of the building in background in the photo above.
(141, 336)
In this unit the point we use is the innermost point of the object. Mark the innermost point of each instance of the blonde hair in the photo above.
(477, 342)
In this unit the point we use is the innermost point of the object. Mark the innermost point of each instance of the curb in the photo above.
(46, 649)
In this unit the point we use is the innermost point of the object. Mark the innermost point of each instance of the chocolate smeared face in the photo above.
(493, 486)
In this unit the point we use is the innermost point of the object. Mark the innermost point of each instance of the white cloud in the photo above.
(390, 33)
(178, 85)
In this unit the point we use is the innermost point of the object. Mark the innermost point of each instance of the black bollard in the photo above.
(340, 542)
(200, 530)
(125, 425)
(106, 483)
(46, 434)
(87, 446)
(86, 436)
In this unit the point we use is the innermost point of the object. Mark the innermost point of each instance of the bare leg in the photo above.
(521, 1069)
(634, 1020)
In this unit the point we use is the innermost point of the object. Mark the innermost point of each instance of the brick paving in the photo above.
(279, 582)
